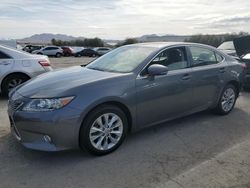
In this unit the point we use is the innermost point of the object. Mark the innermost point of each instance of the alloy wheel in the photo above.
(106, 131)
(14, 83)
(228, 99)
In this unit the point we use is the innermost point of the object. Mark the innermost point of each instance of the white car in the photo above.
(16, 67)
(50, 51)
(102, 50)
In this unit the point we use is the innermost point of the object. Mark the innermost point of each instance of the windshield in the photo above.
(124, 59)
(227, 46)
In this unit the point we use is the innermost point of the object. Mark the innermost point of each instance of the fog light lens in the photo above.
(47, 138)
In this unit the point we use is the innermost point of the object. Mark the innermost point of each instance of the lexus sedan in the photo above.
(130, 88)
(16, 67)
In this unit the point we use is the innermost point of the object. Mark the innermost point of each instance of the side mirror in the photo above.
(157, 70)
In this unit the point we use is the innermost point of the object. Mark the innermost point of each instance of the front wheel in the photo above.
(227, 100)
(104, 130)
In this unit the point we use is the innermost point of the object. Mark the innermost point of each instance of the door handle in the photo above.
(186, 77)
(222, 70)
(5, 63)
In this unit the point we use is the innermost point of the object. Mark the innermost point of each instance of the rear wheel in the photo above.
(58, 54)
(13, 81)
(227, 100)
(104, 130)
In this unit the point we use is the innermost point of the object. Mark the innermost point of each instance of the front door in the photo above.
(167, 96)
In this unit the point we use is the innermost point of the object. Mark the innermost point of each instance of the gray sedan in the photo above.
(130, 88)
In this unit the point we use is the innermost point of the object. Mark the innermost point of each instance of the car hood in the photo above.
(242, 45)
(60, 82)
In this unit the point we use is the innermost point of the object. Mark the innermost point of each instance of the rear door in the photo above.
(208, 69)
(47, 51)
(6, 63)
(167, 96)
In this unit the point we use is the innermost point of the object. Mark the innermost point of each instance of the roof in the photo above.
(165, 44)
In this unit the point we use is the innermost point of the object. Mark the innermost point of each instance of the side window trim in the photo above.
(191, 59)
(167, 48)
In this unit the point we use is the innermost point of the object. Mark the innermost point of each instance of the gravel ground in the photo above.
(64, 62)
(201, 150)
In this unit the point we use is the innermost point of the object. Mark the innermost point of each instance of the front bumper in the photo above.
(46, 131)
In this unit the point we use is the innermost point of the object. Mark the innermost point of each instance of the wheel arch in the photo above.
(118, 104)
(14, 73)
(237, 85)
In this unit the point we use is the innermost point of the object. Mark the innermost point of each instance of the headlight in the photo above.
(43, 105)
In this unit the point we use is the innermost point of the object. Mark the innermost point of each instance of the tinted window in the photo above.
(51, 48)
(202, 56)
(174, 58)
(4, 56)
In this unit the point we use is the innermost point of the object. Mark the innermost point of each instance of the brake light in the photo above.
(44, 63)
(243, 65)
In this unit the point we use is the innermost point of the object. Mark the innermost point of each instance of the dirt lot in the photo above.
(69, 61)
(202, 150)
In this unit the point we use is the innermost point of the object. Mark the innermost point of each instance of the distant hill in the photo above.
(163, 38)
(45, 38)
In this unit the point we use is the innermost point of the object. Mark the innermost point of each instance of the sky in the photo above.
(119, 19)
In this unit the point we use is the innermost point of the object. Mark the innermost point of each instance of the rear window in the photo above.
(4, 56)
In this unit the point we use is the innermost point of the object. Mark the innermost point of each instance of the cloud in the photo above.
(122, 18)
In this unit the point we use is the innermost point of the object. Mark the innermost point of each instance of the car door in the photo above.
(167, 96)
(6, 63)
(208, 75)
(46, 51)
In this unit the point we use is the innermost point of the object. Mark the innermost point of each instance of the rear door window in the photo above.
(202, 56)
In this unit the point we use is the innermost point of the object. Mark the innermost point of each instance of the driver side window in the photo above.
(174, 58)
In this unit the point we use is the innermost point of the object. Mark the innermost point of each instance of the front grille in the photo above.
(15, 105)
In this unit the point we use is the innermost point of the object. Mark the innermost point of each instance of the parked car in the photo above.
(228, 48)
(239, 48)
(16, 67)
(50, 51)
(130, 88)
(77, 49)
(102, 50)
(67, 51)
(86, 52)
(31, 48)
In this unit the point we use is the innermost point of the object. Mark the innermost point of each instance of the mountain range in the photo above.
(45, 38)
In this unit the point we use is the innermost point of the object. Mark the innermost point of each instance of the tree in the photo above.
(127, 41)
(94, 42)
(215, 40)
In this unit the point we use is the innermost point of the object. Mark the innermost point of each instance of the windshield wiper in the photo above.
(94, 68)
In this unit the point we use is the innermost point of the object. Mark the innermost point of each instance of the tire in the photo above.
(58, 55)
(102, 144)
(228, 97)
(12, 81)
